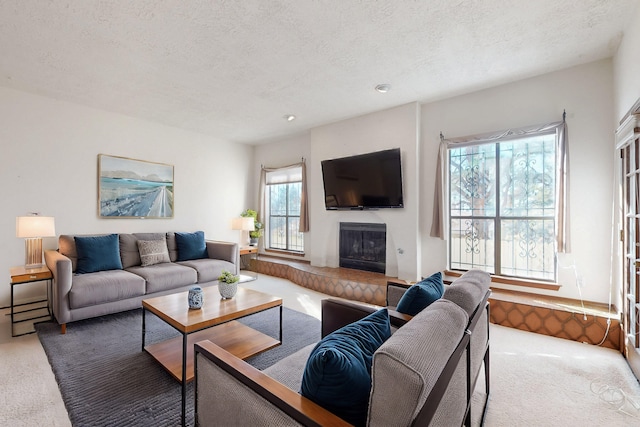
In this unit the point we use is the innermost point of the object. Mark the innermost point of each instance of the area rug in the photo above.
(106, 380)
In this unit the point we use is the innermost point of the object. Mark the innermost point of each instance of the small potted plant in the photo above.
(228, 284)
(258, 227)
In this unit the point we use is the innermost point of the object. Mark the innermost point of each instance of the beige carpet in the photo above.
(29, 394)
(536, 380)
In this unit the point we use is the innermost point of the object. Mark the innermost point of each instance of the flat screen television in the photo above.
(365, 181)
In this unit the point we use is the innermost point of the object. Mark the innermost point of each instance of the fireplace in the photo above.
(363, 246)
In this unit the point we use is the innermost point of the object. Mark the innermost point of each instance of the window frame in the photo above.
(287, 218)
(499, 217)
(292, 174)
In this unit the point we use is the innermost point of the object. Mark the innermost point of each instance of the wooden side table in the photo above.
(251, 251)
(22, 276)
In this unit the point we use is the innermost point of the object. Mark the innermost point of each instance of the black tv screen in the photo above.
(365, 181)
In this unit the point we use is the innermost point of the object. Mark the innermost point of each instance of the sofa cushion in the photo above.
(407, 365)
(337, 375)
(208, 269)
(153, 252)
(103, 287)
(67, 247)
(191, 246)
(171, 245)
(129, 252)
(98, 253)
(421, 295)
(162, 277)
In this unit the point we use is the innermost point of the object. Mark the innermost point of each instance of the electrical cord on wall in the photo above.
(606, 332)
(579, 283)
(614, 240)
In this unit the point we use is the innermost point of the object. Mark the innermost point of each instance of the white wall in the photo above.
(626, 93)
(626, 74)
(393, 128)
(49, 165)
(586, 92)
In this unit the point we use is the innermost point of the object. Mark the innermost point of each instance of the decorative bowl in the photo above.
(227, 290)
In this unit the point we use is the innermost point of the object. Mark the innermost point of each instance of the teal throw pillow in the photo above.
(337, 375)
(98, 253)
(421, 295)
(191, 246)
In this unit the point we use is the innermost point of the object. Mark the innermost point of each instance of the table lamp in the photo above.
(245, 224)
(33, 228)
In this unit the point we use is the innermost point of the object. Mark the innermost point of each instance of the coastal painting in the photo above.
(129, 188)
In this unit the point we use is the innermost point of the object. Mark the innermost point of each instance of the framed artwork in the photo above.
(130, 188)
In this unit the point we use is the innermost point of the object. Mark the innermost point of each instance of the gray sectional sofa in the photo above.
(424, 374)
(120, 279)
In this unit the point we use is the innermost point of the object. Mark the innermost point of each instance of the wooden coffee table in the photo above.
(215, 321)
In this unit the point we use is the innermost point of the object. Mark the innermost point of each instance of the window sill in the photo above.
(283, 252)
(534, 284)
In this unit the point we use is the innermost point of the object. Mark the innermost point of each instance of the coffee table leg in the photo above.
(184, 378)
(280, 337)
(144, 312)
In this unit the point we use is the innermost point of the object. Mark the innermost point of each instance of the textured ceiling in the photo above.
(233, 69)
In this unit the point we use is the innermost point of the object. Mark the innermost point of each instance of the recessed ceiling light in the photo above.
(289, 117)
(383, 88)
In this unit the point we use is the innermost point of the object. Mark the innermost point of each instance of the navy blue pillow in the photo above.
(337, 375)
(421, 295)
(191, 246)
(98, 253)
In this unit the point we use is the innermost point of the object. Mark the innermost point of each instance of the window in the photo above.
(502, 206)
(284, 193)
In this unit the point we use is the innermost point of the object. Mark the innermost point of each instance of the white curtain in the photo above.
(283, 175)
(438, 226)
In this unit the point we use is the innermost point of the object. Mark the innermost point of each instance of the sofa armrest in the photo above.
(337, 313)
(226, 251)
(395, 290)
(229, 391)
(61, 269)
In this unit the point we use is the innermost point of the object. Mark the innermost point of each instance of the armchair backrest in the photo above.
(406, 367)
(469, 291)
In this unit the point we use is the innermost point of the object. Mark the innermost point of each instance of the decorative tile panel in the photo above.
(372, 288)
(556, 323)
(355, 285)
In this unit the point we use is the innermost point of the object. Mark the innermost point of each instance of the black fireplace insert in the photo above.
(363, 246)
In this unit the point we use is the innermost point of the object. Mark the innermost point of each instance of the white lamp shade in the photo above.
(242, 223)
(35, 226)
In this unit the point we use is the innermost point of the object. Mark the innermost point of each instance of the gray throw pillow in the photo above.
(153, 252)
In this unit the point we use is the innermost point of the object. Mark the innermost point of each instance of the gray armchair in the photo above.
(423, 374)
